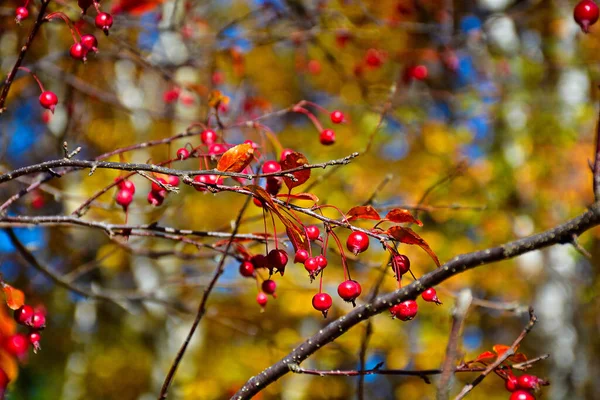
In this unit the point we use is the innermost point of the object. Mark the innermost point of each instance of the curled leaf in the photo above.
(295, 160)
(363, 212)
(486, 355)
(500, 348)
(408, 236)
(236, 159)
(299, 196)
(14, 297)
(401, 215)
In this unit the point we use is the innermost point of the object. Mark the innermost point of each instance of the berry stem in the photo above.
(341, 248)
(310, 116)
(34, 77)
(67, 20)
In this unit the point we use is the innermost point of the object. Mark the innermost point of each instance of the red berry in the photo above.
(327, 137)
(418, 72)
(21, 13)
(312, 231)
(311, 265)
(170, 96)
(156, 187)
(124, 198)
(156, 198)
(78, 52)
(322, 302)
(125, 185)
(405, 310)
(247, 269)
(511, 383)
(38, 320)
(34, 339)
(349, 290)
(374, 58)
(16, 344)
(270, 167)
(521, 395)
(183, 153)
(259, 261)
(48, 100)
(400, 264)
(23, 314)
(90, 42)
(277, 260)
(314, 67)
(357, 242)
(337, 117)
(431, 296)
(269, 286)
(586, 14)
(301, 256)
(528, 382)
(321, 261)
(285, 153)
(257, 202)
(217, 148)
(273, 186)
(262, 299)
(203, 179)
(251, 143)
(104, 21)
(208, 136)
(173, 180)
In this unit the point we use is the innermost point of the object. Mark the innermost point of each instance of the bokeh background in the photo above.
(507, 112)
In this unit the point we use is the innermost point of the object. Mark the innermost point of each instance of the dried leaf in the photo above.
(299, 196)
(363, 212)
(408, 236)
(486, 355)
(518, 358)
(14, 297)
(236, 159)
(401, 215)
(297, 237)
(295, 160)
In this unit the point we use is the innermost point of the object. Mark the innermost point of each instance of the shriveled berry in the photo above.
(511, 383)
(16, 344)
(312, 231)
(269, 286)
(405, 311)
(38, 320)
(247, 269)
(285, 153)
(24, 314)
(277, 260)
(586, 14)
(337, 117)
(349, 290)
(431, 296)
(183, 153)
(259, 261)
(208, 136)
(357, 242)
(301, 256)
(327, 137)
(321, 261)
(322, 302)
(21, 13)
(124, 198)
(270, 167)
(90, 42)
(262, 299)
(34, 339)
(521, 395)
(528, 382)
(104, 21)
(48, 100)
(273, 186)
(156, 198)
(311, 265)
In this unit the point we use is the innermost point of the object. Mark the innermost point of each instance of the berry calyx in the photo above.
(34, 339)
(208, 137)
(21, 14)
(312, 232)
(327, 137)
(586, 14)
(322, 302)
(357, 242)
(90, 42)
(301, 256)
(269, 286)
(405, 311)
(48, 100)
(38, 320)
(511, 383)
(16, 345)
(124, 198)
(277, 260)
(270, 167)
(23, 314)
(521, 395)
(337, 117)
(104, 21)
(247, 269)
(183, 154)
(311, 265)
(321, 261)
(349, 290)
(78, 52)
(528, 382)
(262, 299)
(430, 295)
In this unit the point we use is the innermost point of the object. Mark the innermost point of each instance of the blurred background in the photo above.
(488, 107)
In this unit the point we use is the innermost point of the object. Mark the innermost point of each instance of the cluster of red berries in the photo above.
(522, 387)
(209, 138)
(327, 136)
(125, 194)
(586, 14)
(18, 344)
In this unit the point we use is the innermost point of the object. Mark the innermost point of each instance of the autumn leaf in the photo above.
(299, 196)
(408, 236)
(295, 160)
(486, 355)
(500, 348)
(14, 297)
(134, 7)
(236, 159)
(363, 212)
(401, 215)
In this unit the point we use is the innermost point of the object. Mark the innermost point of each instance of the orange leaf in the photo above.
(14, 297)
(500, 348)
(363, 212)
(300, 196)
(295, 160)
(400, 215)
(486, 355)
(408, 236)
(134, 7)
(236, 159)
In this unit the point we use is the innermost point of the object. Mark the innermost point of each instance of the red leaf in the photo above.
(408, 236)
(400, 215)
(299, 196)
(500, 348)
(134, 7)
(297, 237)
(486, 355)
(518, 358)
(236, 159)
(363, 212)
(14, 297)
(295, 160)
